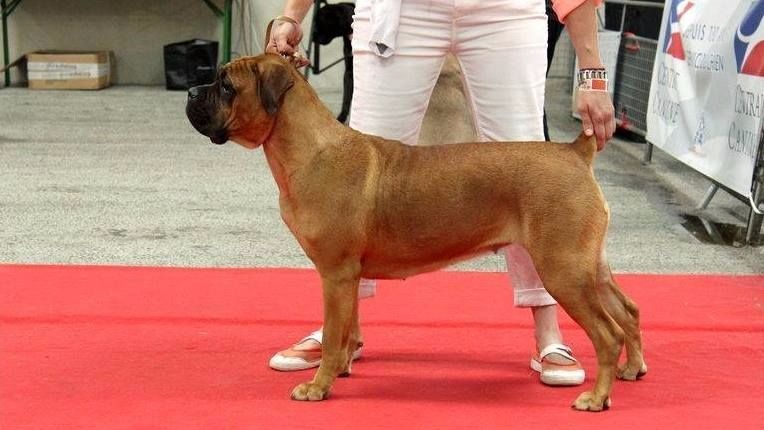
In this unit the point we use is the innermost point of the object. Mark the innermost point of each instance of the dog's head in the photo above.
(242, 103)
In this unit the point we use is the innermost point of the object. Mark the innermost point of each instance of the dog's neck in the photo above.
(292, 145)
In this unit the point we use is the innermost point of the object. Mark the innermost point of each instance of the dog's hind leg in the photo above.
(570, 277)
(626, 314)
(354, 341)
(340, 292)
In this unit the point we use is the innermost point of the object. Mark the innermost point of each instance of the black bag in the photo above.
(329, 22)
(190, 63)
(333, 20)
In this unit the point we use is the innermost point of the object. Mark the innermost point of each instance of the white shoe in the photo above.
(291, 359)
(558, 374)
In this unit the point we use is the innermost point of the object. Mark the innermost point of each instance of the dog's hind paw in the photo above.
(310, 391)
(588, 402)
(631, 373)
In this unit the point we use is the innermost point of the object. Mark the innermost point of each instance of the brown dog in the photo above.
(364, 206)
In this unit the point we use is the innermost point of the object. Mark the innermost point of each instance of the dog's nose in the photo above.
(193, 92)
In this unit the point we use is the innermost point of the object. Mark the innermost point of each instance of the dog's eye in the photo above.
(227, 89)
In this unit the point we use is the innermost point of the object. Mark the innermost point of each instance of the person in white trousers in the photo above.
(398, 49)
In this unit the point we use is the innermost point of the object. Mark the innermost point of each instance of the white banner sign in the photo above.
(707, 91)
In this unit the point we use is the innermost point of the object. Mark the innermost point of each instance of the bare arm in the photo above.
(582, 28)
(297, 9)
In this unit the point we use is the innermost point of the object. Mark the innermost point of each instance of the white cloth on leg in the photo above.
(385, 15)
(367, 288)
(528, 289)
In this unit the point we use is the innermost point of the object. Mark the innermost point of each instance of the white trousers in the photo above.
(501, 48)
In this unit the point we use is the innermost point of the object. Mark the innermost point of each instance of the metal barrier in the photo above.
(632, 90)
(633, 72)
(632, 83)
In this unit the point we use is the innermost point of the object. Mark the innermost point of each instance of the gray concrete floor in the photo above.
(119, 177)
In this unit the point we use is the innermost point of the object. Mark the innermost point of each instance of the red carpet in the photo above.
(149, 348)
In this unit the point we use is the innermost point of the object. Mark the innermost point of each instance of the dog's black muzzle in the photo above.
(201, 110)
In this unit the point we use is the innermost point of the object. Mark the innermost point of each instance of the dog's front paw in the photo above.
(587, 401)
(310, 391)
(631, 373)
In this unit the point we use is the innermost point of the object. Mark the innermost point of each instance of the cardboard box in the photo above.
(69, 70)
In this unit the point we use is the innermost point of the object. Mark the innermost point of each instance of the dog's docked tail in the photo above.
(585, 146)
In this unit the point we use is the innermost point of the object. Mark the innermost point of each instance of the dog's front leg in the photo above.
(340, 290)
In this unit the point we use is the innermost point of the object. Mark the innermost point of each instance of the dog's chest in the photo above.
(288, 215)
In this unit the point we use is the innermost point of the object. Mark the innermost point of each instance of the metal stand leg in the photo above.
(709, 195)
(313, 52)
(6, 54)
(753, 227)
(755, 217)
(648, 158)
(227, 17)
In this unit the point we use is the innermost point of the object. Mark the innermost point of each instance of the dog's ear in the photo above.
(274, 80)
